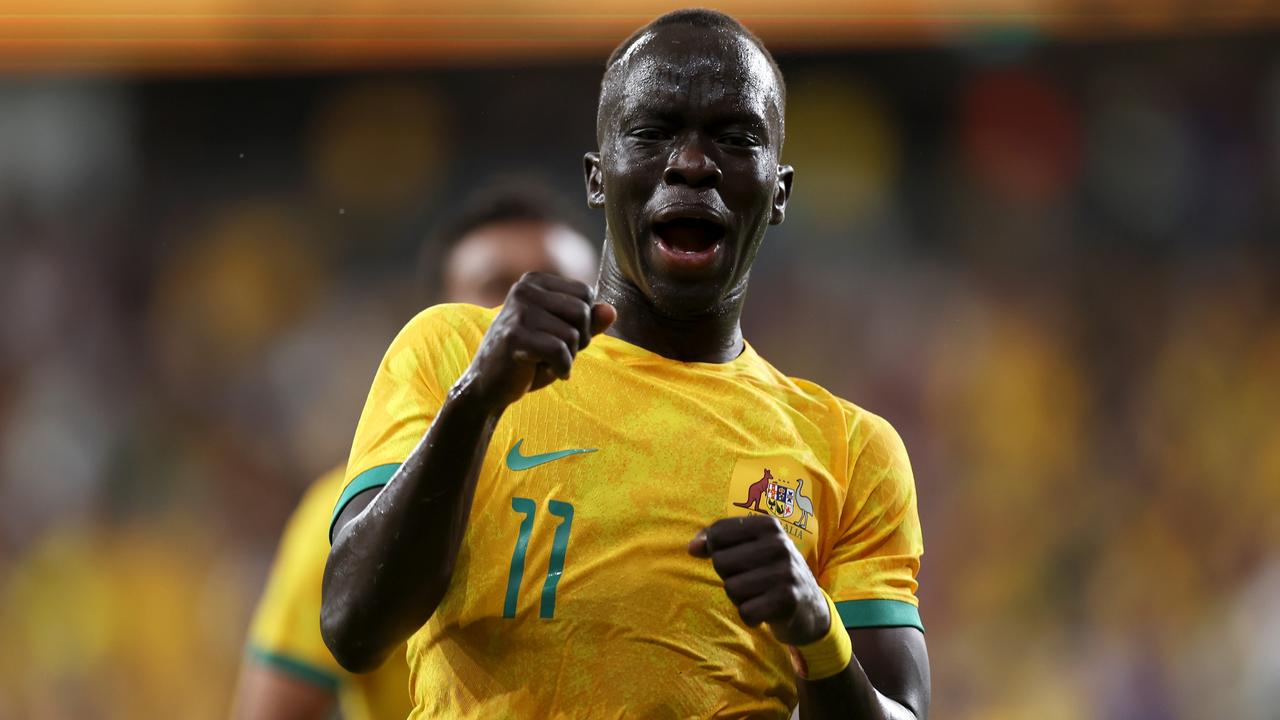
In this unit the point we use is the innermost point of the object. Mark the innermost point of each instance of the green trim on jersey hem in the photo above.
(299, 669)
(879, 613)
(371, 478)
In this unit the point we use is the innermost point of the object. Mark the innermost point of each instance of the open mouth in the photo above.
(689, 235)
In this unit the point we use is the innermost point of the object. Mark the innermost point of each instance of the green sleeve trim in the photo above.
(879, 613)
(371, 478)
(296, 668)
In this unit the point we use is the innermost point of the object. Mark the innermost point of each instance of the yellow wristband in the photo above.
(828, 656)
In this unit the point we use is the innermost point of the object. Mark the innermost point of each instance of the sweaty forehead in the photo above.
(679, 66)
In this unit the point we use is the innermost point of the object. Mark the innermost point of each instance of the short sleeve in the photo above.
(409, 388)
(285, 634)
(871, 572)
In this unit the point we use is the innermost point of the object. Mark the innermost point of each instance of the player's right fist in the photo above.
(544, 322)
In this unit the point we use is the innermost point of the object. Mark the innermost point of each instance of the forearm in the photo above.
(888, 677)
(390, 566)
(848, 695)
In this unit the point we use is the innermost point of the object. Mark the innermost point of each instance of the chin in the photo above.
(676, 299)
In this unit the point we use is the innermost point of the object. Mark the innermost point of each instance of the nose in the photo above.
(690, 165)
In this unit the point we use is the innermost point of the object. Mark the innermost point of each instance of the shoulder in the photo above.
(822, 406)
(445, 334)
(879, 471)
(871, 438)
(808, 398)
(449, 319)
(864, 430)
(870, 443)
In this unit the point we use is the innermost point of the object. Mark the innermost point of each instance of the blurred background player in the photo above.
(503, 232)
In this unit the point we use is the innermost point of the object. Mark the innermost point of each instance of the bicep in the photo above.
(896, 661)
(353, 508)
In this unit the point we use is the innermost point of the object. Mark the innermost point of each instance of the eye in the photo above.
(648, 134)
(740, 140)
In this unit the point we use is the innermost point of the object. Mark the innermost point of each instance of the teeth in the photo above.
(689, 236)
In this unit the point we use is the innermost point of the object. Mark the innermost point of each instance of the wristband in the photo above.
(827, 656)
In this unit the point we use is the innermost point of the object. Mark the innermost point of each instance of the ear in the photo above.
(595, 180)
(781, 194)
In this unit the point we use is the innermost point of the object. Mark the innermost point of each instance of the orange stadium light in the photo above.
(223, 35)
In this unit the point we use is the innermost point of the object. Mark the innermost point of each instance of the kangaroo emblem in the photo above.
(755, 491)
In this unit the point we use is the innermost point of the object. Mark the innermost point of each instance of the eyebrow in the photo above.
(747, 119)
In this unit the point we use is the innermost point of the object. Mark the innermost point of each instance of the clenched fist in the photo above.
(765, 577)
(544, 322)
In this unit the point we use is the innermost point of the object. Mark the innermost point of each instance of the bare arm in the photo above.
(264, 693)
(888, 678)
(394, 550)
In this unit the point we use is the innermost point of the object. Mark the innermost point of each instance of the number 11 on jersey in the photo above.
(555, 568)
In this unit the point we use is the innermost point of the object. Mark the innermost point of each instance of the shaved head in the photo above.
(642, 48)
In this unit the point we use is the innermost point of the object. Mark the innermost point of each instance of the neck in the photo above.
(714, 336)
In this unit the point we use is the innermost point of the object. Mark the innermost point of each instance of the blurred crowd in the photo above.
(1054, 267)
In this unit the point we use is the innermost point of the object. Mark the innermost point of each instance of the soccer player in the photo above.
(607, 504)
(288, 673)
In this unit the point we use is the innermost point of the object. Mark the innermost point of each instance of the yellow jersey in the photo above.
(285, 634)
(573, 594)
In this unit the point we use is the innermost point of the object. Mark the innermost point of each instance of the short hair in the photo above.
(507, 199)
(695, 17)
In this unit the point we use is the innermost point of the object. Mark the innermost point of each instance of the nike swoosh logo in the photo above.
(517, 462)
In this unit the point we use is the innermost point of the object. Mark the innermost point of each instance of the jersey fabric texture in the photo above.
(285, 634)
(573, 594)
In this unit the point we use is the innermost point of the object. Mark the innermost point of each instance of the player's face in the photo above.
(688, 168)
(490, 259)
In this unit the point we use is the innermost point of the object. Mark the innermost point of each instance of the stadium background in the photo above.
(1040, 238)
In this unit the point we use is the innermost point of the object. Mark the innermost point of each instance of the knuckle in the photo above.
(777, 548)
(718, 564)
(562, 360)
(508, 335)
(785, 576)
(734, 591)
(526, 288)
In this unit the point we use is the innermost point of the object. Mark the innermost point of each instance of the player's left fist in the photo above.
(765, 577)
